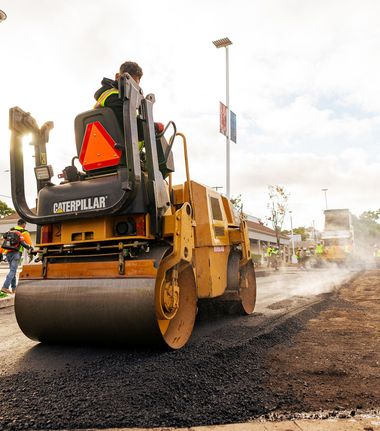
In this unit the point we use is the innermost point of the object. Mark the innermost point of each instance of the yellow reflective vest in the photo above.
(102, 100)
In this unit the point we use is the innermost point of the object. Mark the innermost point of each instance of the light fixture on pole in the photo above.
(225, 43)
(325, 191)
(294, 257)
(3, 16)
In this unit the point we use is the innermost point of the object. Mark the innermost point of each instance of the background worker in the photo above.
(268, 253)
(319, 249)
(14, 256)
(275, 257)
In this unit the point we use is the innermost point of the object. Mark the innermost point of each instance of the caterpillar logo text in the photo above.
(80, 205)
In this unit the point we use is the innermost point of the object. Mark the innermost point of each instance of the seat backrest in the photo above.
(96, 133)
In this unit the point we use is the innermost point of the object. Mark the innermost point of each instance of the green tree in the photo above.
(298, 231)
(5, 210)
(278, 201)
(367, 229)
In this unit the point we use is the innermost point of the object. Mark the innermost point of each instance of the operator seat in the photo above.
(99, 140)
(98, 157)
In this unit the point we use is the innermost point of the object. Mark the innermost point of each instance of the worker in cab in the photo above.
(108, 96)
(376, 255)
(108, 93)
(347, 248)
(319, 252)
(14, 253)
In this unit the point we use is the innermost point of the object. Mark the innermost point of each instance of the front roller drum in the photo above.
(104, 311)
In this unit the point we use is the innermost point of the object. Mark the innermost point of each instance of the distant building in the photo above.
(261, 236)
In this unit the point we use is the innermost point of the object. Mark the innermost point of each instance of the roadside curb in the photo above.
(353, 424)
(8, 301)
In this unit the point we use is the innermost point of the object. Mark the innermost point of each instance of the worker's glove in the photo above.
(31, 254)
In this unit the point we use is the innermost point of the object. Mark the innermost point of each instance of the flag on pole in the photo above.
(223, 119)
(233, 126)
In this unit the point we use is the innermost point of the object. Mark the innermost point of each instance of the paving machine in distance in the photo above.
(338, 236)
(124, 255)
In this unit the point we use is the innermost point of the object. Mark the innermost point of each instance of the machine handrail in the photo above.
(186, 166)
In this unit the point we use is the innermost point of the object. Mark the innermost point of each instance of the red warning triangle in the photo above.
(98, 148)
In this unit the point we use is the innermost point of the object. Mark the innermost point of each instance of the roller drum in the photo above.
(120, 310)
(91, 310)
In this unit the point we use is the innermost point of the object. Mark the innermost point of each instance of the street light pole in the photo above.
(325, 190)
(228, 174)
(224, 43)
(294, 257)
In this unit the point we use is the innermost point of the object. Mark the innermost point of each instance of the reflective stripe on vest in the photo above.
(103, 97)
(100, 104)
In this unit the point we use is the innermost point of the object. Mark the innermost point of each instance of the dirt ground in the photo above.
(334, 362)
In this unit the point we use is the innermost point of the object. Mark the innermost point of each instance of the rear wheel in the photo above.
(247, 287)
(240, 295)
(177, 306)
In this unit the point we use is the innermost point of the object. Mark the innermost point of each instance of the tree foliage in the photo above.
(277, 205)
(302, 230)
(237, 203)
(5, 210)
(367, 228)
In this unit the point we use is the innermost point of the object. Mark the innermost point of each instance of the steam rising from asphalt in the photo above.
(290, 286)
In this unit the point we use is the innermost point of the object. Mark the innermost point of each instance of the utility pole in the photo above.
(325, 191)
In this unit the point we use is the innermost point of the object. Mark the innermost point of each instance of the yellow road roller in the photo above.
(124, 255)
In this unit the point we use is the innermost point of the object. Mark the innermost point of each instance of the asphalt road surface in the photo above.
(280, 292)
(76, 387)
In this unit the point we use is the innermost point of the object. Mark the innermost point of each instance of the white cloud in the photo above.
(304, 175)
(304, 85)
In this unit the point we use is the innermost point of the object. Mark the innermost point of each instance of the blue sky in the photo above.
(304, 84)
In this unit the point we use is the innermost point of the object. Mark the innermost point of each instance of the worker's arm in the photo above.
(27, 239)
